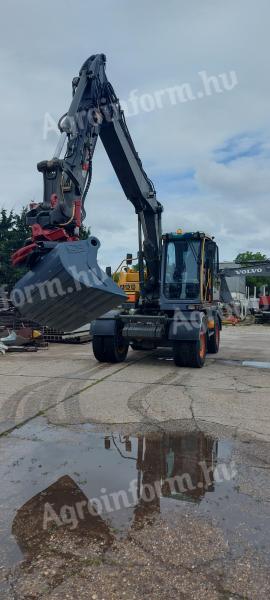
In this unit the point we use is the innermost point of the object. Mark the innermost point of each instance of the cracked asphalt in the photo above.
(70, 427)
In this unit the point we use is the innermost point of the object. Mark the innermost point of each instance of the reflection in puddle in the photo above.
(58, 507)
(173, 466)
(106, 485)
(65, 491)
(180, 467)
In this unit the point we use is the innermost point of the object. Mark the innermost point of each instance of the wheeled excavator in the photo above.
(64, 286)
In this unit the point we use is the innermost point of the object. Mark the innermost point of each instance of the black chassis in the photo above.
(181, 323)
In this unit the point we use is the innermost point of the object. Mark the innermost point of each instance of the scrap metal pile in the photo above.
(16, 334)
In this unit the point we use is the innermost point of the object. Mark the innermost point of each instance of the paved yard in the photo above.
(69, 386)
(77, 433)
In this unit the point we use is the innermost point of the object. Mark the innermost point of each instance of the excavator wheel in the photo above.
(181, 352)
(111, 349)
(191, 354)
(213, 341)
(197, 352)
(98, 348)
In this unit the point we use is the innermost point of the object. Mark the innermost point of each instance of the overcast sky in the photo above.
(209, 156)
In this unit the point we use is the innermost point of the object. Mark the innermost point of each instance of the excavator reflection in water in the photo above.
(173, 466)
(179, 466)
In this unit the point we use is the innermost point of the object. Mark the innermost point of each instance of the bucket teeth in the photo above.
(67, 288)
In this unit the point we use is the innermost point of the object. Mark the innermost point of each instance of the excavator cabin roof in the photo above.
(191, 235)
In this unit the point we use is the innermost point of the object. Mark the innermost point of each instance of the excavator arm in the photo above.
(250, 269)
(94, 111)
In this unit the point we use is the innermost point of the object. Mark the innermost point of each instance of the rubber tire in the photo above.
(98, 348)
(187, 354)
(181, 351)
(214, 340)
(111, 349)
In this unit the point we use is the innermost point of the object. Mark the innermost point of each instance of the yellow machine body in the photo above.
(129, 282)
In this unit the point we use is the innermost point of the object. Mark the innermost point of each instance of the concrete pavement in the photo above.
(67, 385)
(75, 431)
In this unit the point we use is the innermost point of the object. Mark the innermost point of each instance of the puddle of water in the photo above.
(256, 364)
(99, 486)
(246, 363)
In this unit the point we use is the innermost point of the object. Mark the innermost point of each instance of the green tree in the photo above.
(13, 232)
(247, 257)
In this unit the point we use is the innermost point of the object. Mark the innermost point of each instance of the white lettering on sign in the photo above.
(248, 271)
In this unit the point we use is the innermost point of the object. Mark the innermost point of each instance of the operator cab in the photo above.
(190, 268)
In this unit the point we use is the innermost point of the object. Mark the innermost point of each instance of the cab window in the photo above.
(182, 270)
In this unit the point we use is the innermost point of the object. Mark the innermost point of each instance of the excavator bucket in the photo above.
(66, 288)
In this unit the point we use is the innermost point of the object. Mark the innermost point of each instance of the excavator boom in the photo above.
(64, 283)
(251, 269)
